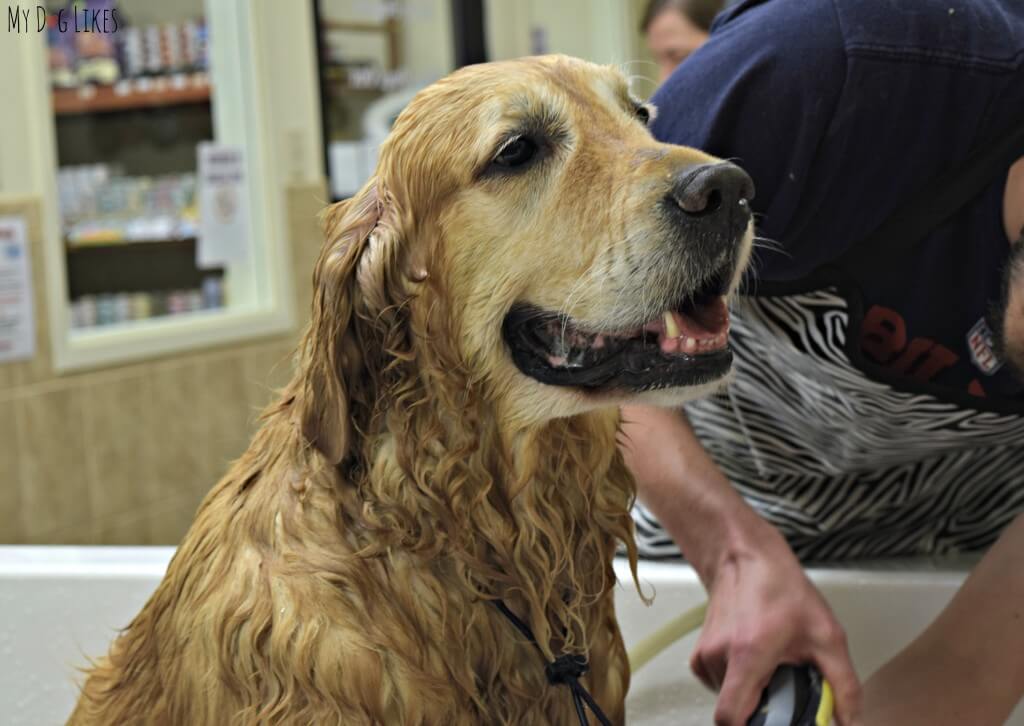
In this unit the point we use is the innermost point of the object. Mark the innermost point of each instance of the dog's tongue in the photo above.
(701, 329)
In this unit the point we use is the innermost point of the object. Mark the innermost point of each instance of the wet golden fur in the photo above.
(339, 573)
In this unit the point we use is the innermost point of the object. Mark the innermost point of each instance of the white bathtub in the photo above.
(59, 604)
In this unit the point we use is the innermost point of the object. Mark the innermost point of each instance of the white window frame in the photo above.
(240, 116)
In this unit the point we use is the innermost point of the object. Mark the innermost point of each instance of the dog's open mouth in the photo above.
(687, 345)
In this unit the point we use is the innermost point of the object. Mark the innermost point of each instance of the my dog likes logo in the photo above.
(79, 18)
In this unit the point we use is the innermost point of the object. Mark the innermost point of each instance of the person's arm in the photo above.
(973, 654)
(762, 609)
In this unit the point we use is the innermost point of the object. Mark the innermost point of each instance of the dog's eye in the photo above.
(643, 113)
(516, 152)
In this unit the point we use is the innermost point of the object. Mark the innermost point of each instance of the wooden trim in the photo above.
(100, 99)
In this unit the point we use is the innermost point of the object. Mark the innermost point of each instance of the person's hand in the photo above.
(763, 612)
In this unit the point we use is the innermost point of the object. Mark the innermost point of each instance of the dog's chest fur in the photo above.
(299, 597)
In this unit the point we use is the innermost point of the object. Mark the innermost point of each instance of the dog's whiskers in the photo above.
(770, 244)
(578, 287)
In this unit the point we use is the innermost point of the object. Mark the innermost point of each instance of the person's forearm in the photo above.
(762, 609)
(684, 488)
(973, 654)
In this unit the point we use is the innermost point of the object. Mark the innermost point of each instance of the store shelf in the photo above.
(391, 30)
(347, 88)
(128, 96)
(122, 244)
(140, 267)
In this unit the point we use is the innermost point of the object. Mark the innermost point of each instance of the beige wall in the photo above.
(124, 455)
(642, 66)
(602, 31)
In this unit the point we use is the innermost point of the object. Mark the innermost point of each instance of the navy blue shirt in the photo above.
(842, 110)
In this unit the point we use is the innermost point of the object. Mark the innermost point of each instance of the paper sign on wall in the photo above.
(223, 206)
(17, 324)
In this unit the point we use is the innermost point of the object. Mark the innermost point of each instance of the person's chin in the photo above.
(1008, 315)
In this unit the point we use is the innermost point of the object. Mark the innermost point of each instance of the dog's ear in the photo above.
(349, 284)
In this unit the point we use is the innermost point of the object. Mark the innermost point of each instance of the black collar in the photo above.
(566, 668)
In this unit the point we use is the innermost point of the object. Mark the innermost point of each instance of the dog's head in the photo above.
(523, 229)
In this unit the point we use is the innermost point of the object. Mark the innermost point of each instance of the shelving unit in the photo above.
(140, 266)
(155, 93)
(390, 28)
(123, 244)
(259, 99)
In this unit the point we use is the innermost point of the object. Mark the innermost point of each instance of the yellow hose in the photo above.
(665, 636)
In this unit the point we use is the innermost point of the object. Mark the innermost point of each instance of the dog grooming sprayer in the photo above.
(795, 696)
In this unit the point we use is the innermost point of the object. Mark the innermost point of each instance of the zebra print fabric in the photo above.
(848, 467)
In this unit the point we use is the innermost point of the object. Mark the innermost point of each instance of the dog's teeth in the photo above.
(671, 329)
(689, 345)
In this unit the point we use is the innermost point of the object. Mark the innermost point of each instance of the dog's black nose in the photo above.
(713, 191)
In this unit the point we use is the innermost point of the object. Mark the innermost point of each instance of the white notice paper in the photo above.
(223, 206)
(17, 324)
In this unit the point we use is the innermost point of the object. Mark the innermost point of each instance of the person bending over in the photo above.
(877, 406)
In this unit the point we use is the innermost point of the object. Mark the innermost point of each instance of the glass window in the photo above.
(131, 108)
(374, 56)
(164, 217)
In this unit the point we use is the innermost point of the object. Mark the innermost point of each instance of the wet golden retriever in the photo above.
(525, 258)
